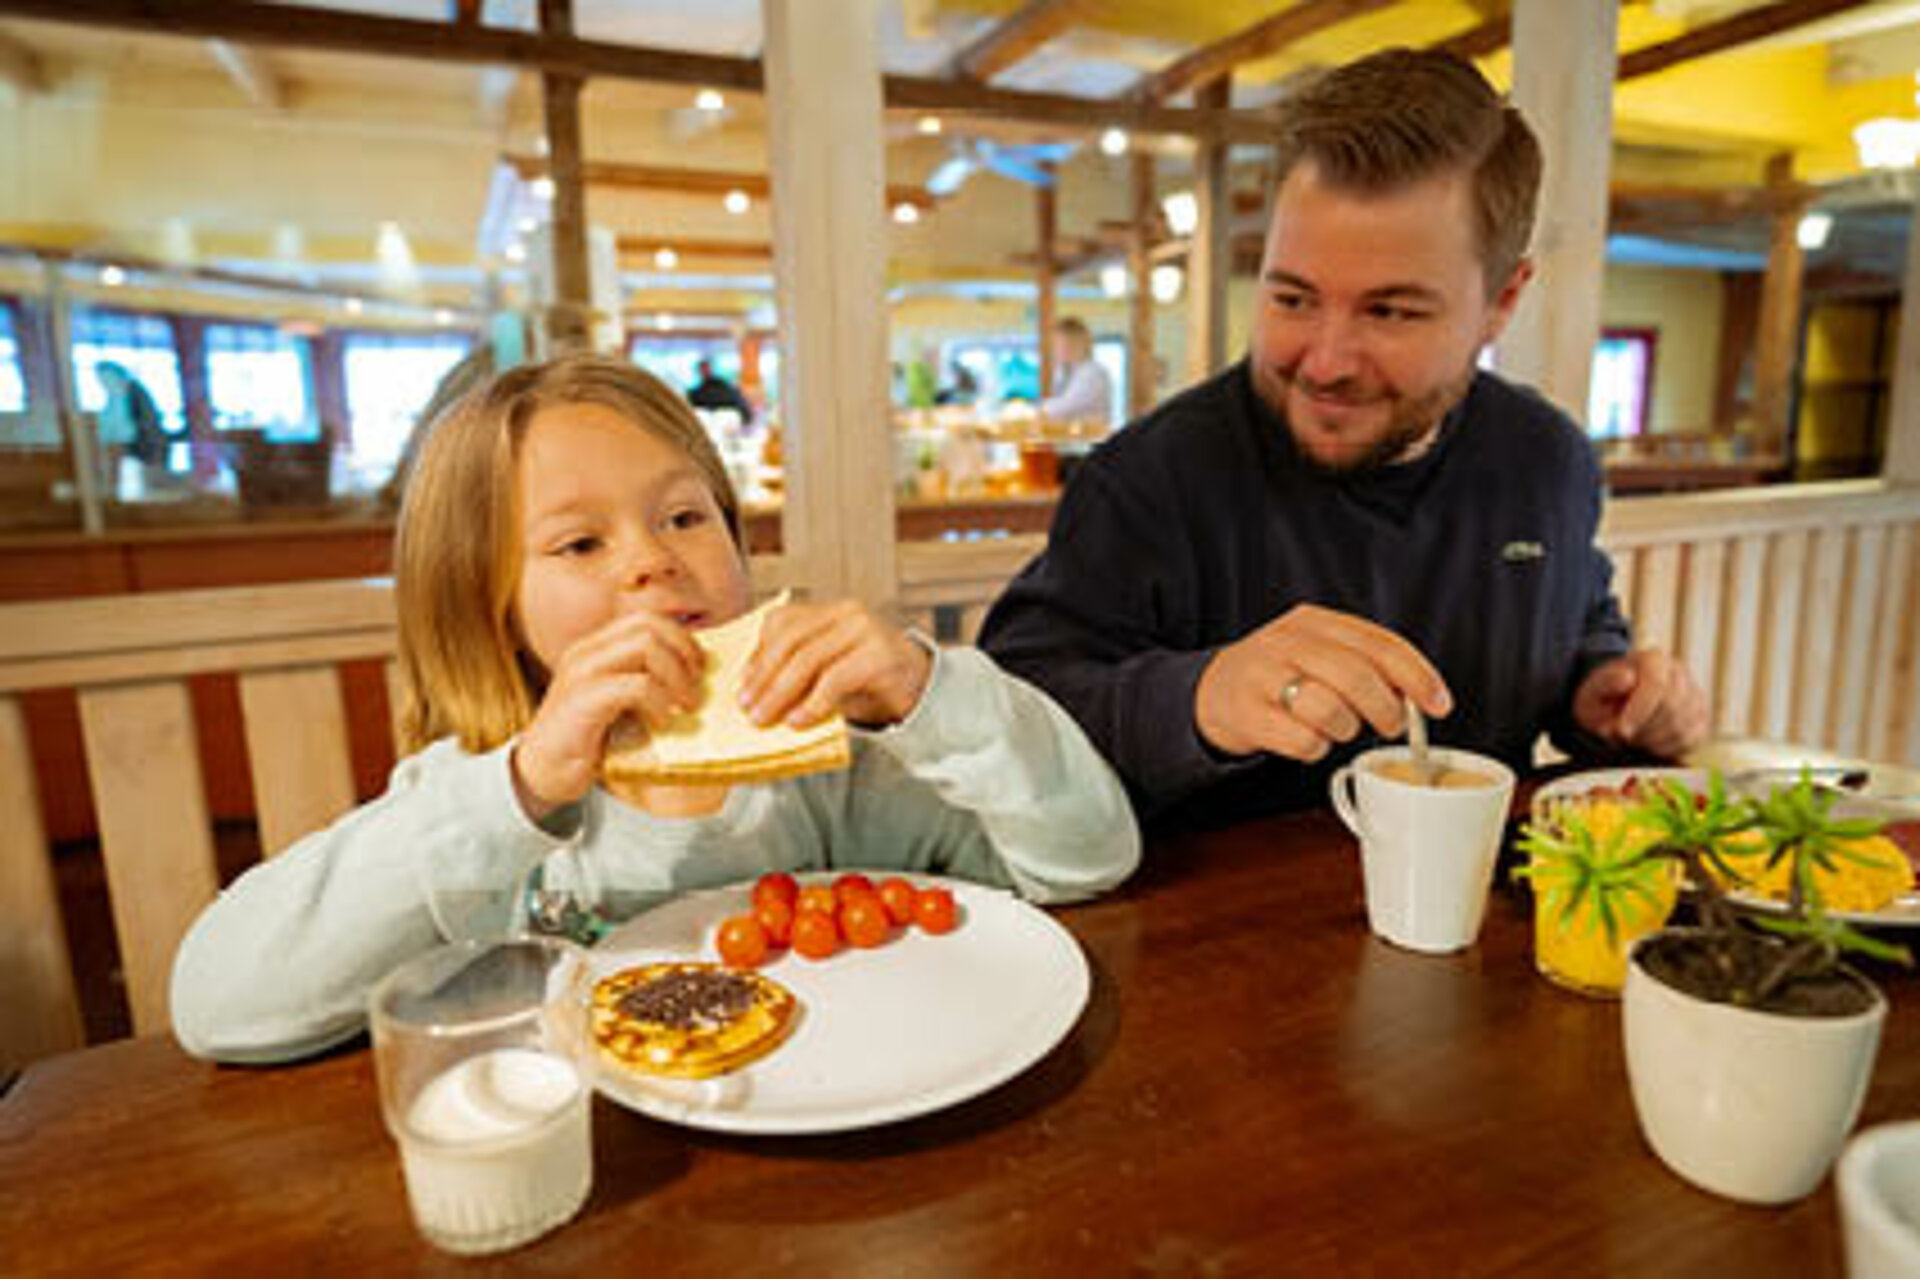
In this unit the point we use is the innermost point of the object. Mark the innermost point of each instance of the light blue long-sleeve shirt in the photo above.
(986, 780)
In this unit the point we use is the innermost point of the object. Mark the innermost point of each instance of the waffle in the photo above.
(688, 1020)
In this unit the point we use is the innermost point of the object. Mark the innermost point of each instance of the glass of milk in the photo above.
(481, 1052)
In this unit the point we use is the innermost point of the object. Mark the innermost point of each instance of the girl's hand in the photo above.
(642, 664)
(815, 659)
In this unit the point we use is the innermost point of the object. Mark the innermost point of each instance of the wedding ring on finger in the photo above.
(1290, 692)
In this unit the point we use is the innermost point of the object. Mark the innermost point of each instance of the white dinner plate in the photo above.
(913, 1026)
(1902, 912)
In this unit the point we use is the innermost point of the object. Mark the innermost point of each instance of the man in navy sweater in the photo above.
(1241, 588)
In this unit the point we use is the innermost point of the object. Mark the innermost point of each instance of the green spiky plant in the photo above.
(1752, 952)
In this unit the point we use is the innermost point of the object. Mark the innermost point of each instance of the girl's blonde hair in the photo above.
(457, 549)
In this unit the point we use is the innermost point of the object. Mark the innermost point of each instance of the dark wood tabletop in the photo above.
(1257, 1086)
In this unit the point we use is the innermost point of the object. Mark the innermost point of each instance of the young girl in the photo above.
(567, 530)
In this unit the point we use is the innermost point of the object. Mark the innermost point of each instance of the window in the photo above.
(390, 378)
(13, 376)
(1620, 391)
(675, 360)
(142, 345)
(257, 377)
(1002, 368)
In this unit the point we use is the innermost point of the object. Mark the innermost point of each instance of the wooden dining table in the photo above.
(1256, 1086)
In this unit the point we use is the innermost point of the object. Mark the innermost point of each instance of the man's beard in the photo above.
(1409, 422)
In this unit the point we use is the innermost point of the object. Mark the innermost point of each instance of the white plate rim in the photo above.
(1045, 1025)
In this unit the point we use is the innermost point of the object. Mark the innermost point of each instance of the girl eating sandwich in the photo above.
(568, 532)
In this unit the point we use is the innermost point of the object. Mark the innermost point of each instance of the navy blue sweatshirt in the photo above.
(1201, 522)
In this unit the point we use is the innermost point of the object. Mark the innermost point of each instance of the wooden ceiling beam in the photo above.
(1478, 41)
(250, 71)
(21, 66)
(616, 175)
(1016, 37)
(373, 35)
(648, 245)
(1728, 33)
(466, 13)
(1263, 39)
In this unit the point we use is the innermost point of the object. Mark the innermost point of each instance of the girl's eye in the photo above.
(687, 517)
(585, 544)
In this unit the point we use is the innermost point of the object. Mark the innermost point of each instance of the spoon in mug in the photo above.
(1424, 764)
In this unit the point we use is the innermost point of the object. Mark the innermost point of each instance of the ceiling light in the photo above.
(664, 323)
(1183, 212)
(737, 202)
(355, 306)
(112, 276)
(394, 253)
(1113, 141)
(516, 252)
(906, 213)
(528, 225)
(443, 316)
(929, 125)
(1113, 280)
(542, 188)
(1888, 143)
(710, 100)
(665, 258)
(1813, 231)
(1166, 280)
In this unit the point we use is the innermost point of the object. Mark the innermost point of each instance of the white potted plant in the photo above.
(1749, 1043)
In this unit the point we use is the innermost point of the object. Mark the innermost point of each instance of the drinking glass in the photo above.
(481, 1050)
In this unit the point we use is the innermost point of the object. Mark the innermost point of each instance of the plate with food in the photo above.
(890, 1019)
(1881, 894)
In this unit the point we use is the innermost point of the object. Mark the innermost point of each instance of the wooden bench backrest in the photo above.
(128, 659)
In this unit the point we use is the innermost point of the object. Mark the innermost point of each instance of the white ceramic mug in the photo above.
(1426, 852)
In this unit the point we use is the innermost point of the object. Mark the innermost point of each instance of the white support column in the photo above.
(1903, 423)
(1563, 69)
(824, 121)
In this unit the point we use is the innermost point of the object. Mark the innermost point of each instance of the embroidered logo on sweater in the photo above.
(1522, 552)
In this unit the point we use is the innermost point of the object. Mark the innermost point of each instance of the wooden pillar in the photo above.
(329, 362)
(196, 393)
(1777, 345)
(1739, 320)
(1045, 276)
(824, 122)
(1903, 424)
(1140, 379)
(82, 434)
(1563, 65)
(569, 322)
(1210, 260)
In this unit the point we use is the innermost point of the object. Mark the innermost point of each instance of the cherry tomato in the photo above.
(742, 942)
(897, 895)
(864, 921)
(934, 911)
(815, 935)
(776, 917)
(776, 885)
(851, 885)
(818, 897)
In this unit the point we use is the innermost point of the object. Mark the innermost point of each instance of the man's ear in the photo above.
(1506, 300)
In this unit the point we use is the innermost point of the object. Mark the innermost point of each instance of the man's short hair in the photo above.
(1403, 115)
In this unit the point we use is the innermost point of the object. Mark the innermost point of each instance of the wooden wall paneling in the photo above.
(1825, 599)
(1736, 680)
(1859, 637)
(42, 1007)
(1786, 578)
(1704, 589)
(1656, 618)
(1894, 689)
(296, 728)
(154, 833)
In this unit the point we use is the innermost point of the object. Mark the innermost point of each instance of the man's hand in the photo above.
(1309, 679)
(1646, 700)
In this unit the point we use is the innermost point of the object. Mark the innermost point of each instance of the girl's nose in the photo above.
(645, 561)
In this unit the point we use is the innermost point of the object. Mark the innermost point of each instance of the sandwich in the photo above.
(688, 1019)
(715, 743)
